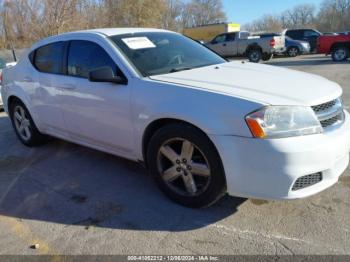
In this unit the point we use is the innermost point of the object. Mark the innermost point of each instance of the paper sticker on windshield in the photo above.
(138, 42)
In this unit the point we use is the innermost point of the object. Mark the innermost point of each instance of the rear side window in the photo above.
(295, 34)
(85, 56)
(311, 33)
(49, 58)
(231, 37)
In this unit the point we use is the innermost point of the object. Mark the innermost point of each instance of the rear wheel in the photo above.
(24, 125)
(186, 165)
(340, 53)
(254, 55)
(293, 51)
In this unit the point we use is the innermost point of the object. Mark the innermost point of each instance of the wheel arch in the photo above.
(157, 124)
(13, 98)
(339, 44)
(253, 46)
(293, 46)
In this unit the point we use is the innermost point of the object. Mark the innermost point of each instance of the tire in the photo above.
(293, 51)
(340, 53)
(254, 55)
(24, 125)
(267, 57)
(203, 168)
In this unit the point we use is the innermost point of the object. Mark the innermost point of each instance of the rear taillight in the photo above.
(272, 42)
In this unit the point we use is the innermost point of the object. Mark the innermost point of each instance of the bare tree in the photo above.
(334, 15)
(171, 18)
(299, 16)
(201, 12)
(267, 23)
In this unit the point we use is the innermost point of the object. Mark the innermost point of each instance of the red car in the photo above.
(336, 45)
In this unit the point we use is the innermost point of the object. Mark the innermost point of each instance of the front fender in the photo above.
(213, 113)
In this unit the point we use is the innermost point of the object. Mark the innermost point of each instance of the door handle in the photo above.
(223, 44)
(67, 87)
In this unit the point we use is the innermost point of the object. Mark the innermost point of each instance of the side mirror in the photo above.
(106, 74)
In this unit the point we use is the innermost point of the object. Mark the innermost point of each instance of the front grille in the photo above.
(330, 114)
(331, 121)
(306, 181)
(325, 106)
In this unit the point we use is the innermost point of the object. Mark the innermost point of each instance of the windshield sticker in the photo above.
(138, 42)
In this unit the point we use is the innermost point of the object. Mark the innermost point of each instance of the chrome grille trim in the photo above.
(306, 181)
(330, 114)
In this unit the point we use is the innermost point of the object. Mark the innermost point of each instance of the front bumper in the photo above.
(268, 168)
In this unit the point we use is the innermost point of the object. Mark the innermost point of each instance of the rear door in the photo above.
(48, 61)
(295, 34)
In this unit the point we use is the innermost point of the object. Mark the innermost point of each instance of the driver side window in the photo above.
(219, 39)
(85, 56)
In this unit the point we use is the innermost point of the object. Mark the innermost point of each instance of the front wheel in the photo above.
(186, 166)
(340, 54)
(254, 55)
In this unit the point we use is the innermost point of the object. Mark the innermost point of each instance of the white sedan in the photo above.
(202, 125)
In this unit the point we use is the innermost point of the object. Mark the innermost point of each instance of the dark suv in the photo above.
(308, 35)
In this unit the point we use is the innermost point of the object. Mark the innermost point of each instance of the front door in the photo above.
(95, 113)
(231, 44)
(218, 45)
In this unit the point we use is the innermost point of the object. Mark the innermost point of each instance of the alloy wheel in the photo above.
(183, 167)
(293, 52)
(254, 56)
(22, 123)
(340, 54)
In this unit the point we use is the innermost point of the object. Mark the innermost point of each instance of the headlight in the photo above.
(283, 121)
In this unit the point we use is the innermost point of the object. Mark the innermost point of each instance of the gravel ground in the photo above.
(74, 200)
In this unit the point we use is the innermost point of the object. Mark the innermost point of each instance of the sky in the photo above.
(245, 11)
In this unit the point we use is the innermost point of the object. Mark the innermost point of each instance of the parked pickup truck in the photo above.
(243, 44)
(336, 45)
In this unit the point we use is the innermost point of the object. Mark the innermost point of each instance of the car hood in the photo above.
(259, 83)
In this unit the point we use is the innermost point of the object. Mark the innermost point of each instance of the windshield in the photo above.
(156, 53)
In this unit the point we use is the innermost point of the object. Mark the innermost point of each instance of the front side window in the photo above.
(85, 56)
(154, 53)
(219, 39)
(49, 58)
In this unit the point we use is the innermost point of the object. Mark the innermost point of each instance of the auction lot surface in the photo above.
(74, 200)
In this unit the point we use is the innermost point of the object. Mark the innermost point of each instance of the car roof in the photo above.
(98, 31)
(121, 31)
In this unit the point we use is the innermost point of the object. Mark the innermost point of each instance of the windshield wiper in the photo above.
(173, 70)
